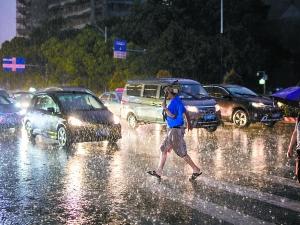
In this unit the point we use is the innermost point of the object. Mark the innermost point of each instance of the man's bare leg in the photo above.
(162, 161)
(189, 161)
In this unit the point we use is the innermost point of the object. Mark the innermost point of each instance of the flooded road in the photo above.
(246, 179)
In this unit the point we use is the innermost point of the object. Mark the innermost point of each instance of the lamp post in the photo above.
(221, 41)
(263, 77)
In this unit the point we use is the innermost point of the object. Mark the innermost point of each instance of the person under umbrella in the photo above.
(291, 96)
(295, 140)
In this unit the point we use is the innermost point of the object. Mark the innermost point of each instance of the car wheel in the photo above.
(132, 121)
(211, 129)
(270, 124)
(240, 118)
(64, 139)
(29, 131)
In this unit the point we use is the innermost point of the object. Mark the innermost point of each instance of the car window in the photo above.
(23, 97)
(241, 91)
(44, 102)
(79, 102)
(192, 91)
(4, 101)
(217, 92)
(134, 89)
(150, 91)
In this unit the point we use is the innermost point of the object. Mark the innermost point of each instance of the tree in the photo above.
(232, 77)
(163, 73)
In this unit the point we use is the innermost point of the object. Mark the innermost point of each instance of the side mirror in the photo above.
(51, 110)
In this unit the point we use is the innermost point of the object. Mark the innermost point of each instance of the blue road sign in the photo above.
(120, 49)
(13, 64)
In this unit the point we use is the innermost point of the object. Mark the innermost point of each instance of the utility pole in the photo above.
(93, 21)
(221, 42)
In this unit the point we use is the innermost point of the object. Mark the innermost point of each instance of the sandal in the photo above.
(195, 175)
(153, 173)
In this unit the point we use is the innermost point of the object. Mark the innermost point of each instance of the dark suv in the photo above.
(70, 116)
(242, 106)
(142, 100)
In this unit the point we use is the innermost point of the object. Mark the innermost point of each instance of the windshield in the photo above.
(23, 97)
(4, 101)
(79, 102)
(238, 91)
(192, 91)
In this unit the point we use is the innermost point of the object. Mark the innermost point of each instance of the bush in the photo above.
(290, 111)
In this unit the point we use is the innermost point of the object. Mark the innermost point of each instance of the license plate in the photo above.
(102, 133)
(209, 117)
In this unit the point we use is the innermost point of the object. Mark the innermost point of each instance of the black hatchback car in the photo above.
(70, 116)
(242, 106)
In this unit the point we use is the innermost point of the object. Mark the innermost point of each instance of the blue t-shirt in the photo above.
(177, 108)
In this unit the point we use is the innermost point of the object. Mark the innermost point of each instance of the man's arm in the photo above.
(188, 120)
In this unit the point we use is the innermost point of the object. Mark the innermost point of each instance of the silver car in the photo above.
(112, 100)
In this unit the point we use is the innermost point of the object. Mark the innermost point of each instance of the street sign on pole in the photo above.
(13, 64)
(120, 49)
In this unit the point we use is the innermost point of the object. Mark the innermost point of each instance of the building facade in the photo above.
(75, 14)
(79, 13)
(29, 15)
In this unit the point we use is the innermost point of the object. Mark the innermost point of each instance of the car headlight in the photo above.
(217, 107)
(18, 104)
(116, 120)
(22, 112)
(74, 121)
(280, 104)
(258, 104)
(192, 108)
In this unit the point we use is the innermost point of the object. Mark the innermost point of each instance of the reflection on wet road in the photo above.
(246, 179)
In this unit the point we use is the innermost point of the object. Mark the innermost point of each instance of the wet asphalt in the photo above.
(246, 179)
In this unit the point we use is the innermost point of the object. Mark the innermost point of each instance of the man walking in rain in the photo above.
(175, 113)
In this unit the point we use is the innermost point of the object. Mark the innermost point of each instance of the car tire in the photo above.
(63, 137)
(132, 121)
(211, 129)
(240, 118)
(29, 131)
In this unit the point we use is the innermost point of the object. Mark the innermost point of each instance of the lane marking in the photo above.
(275, 179)
(195, 202)
(252, 193)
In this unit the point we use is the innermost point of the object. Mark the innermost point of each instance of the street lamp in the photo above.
(263, 77)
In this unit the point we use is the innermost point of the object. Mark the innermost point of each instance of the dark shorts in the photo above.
(175, 140)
